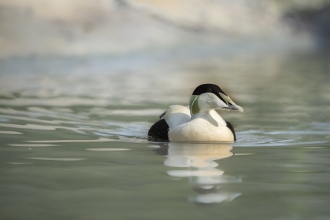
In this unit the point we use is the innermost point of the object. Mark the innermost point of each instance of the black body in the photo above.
(159, 131)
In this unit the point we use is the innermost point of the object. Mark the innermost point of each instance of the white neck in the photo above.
(211, 116)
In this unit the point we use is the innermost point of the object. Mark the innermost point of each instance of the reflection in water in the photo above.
(204, 178)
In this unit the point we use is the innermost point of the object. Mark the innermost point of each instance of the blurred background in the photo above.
(122, 27)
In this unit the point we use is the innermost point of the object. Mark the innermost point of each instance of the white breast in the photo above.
(205, 126)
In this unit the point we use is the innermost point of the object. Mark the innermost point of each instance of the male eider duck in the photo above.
(198, 122)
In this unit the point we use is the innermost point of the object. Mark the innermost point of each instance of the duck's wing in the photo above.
(232, 129)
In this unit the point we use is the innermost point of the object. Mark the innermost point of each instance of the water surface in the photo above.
(74, 146)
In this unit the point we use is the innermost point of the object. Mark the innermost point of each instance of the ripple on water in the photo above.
(243, 154)
(27, 126)
(127, 130)
(55, 159)
(29, 119)
(129, 112)
(32, 145)
(10, 132)
(18, 163)
(107, 149)
(72, 141)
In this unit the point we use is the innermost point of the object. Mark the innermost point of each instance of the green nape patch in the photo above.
(193, 104)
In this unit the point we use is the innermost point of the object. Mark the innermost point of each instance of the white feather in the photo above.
(177, 115)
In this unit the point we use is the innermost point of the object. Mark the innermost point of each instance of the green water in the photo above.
(73, 139)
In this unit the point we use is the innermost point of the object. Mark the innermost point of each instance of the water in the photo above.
(74, 145)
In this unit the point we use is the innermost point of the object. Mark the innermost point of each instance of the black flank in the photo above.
(232, 129)
(159, 131)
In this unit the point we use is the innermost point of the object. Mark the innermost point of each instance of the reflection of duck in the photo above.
(200, 122)
(203, 175)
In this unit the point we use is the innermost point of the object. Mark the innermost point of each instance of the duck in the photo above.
(198, 122)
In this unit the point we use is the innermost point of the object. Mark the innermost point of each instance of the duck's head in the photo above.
(210, 96)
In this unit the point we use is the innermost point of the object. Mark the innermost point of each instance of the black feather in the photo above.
(211, 88)
(159, 131)
(232, 129)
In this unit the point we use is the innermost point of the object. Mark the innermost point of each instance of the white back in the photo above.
(177, 115)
